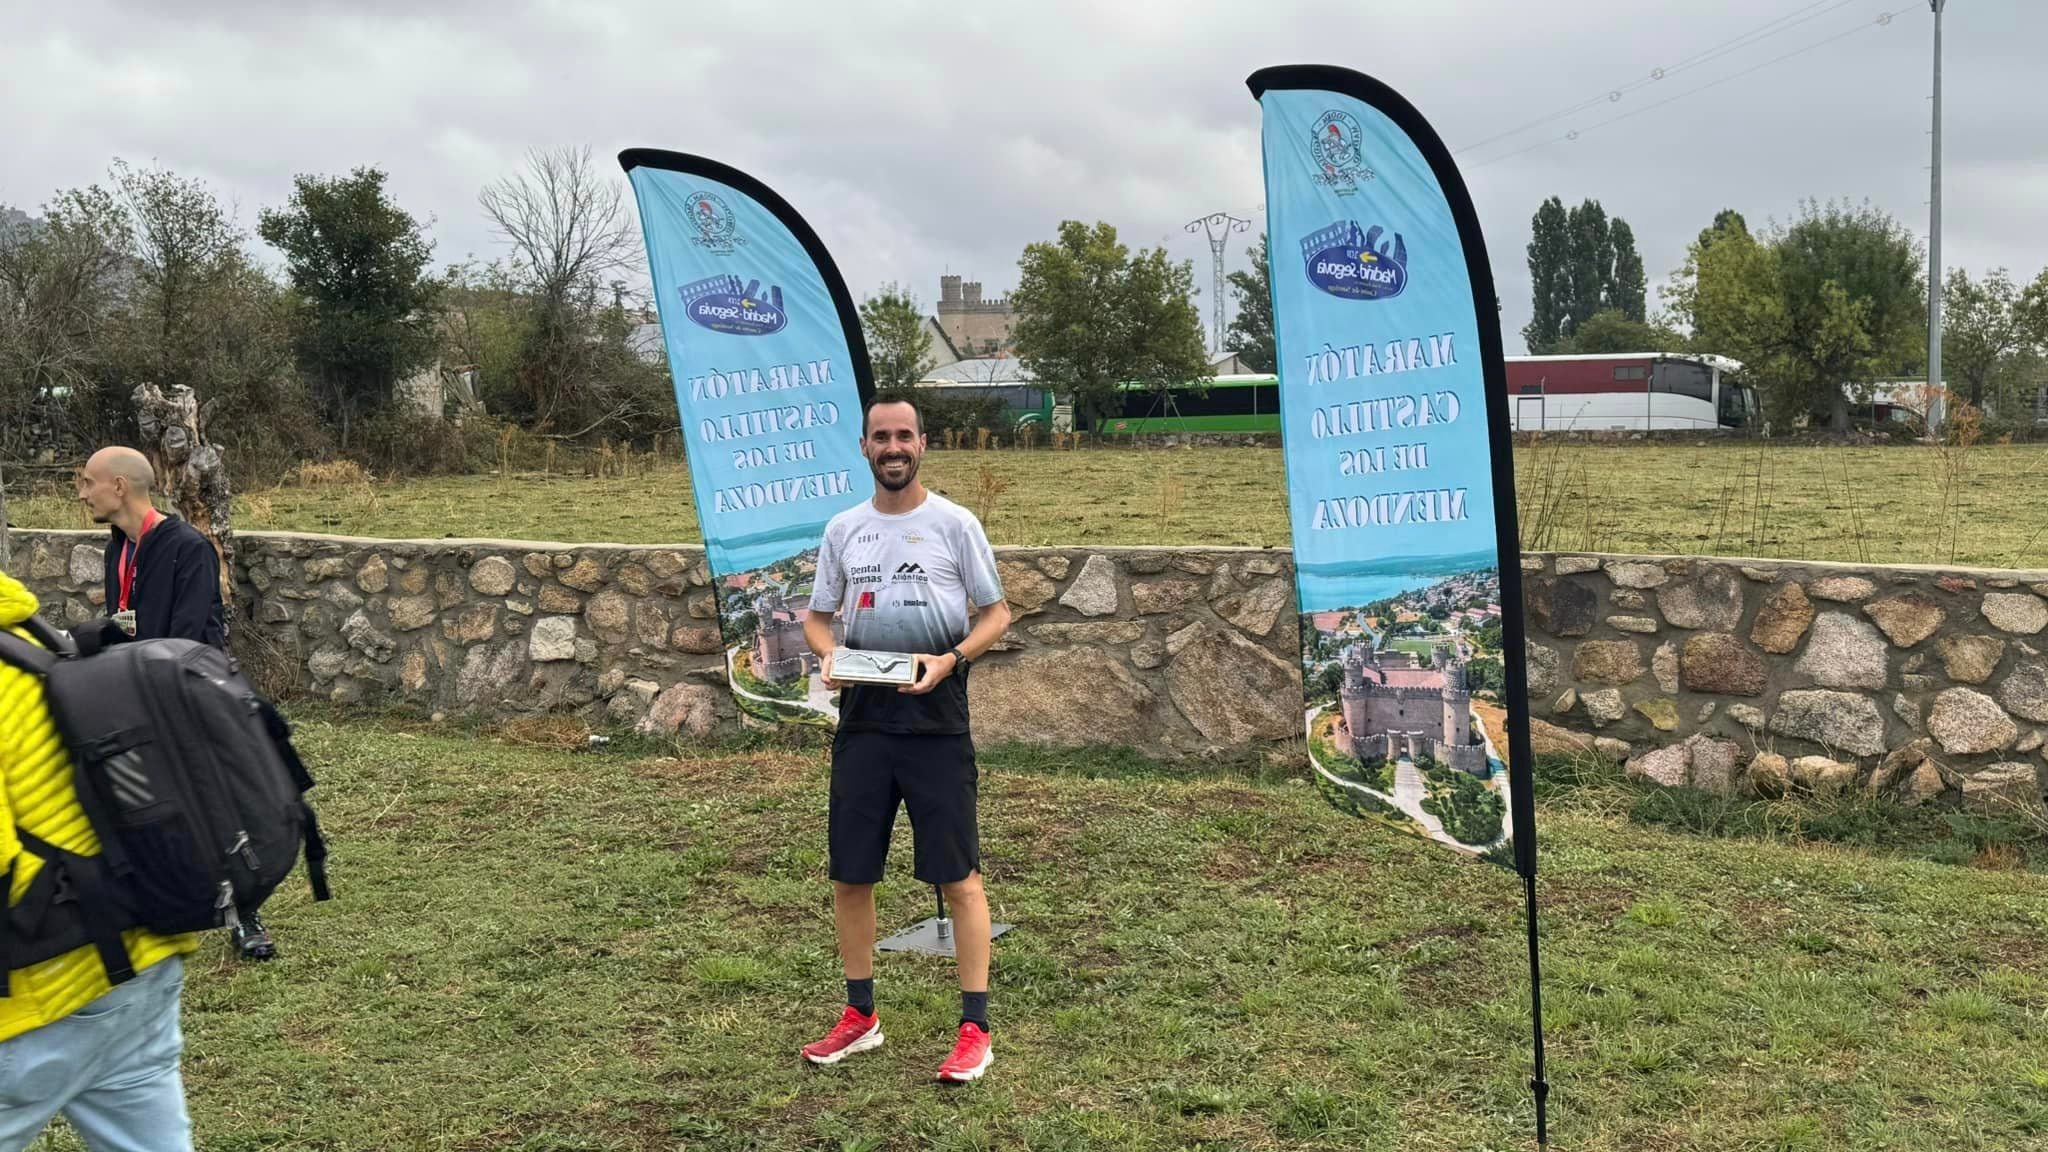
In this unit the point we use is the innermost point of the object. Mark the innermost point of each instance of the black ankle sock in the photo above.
(974, 1009)
(861, 994)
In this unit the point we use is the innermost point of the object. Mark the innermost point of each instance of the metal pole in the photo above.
(1934, 228)
(1218, 226)
(1538, 1085)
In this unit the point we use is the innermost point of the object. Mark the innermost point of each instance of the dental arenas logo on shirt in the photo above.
(1351, 264)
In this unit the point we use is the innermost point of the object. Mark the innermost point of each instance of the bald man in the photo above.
(167, 574)
(158, 566)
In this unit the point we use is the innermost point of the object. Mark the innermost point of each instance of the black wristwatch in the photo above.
(961, 661)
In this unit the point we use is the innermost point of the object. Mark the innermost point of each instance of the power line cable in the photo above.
(1785, 24)
(1883, 19)
(1707, 55)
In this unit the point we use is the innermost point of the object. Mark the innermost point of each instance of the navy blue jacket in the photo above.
(177, 584)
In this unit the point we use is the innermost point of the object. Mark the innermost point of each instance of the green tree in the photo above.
(185, 250)
(1726, 222)
(1488, 637)
(357, 262)
(58, 291)
(1814, 310)
(899, 344)
(253, 403)
(1626, 292)
(1251, 330)
(1590, 270)
(2027, 372)
(1609, 331)
(483, 331)
(1549, 258)
(1581, 263)
(1486, 674)
(1984, 329)
(1330, 681)
(2033, 308)
(1728, 293)
(193, 310)
(1855, 302)
(1091, 316)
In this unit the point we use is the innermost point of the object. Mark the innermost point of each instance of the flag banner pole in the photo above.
(1400, 476)
(771, 375)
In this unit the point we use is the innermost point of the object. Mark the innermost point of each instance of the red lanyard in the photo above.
(128, 559)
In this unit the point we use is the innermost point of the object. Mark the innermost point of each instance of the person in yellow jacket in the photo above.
(106, 1057)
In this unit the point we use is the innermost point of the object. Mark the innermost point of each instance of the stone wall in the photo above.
(1763, 677)
(1174, 651)
(1731, 676)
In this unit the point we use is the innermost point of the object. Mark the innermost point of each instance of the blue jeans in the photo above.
(111, 1068)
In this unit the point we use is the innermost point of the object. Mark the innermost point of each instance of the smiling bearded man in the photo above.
(906, 570)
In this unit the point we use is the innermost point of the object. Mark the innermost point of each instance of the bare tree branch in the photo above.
(569, 227)
(566, 223)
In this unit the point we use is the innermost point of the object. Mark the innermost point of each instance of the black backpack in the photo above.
(189, 779)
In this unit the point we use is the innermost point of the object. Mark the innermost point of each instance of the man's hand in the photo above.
(930, 670)
(825, 673)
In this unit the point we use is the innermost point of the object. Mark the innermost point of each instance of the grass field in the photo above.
(539, 949)
(1424, 647)
(1987, 506)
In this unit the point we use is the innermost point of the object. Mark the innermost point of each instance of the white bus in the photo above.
(1628, 392)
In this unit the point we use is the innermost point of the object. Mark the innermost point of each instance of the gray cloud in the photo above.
(925, 137)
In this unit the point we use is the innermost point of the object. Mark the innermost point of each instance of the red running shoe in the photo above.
(971, 1057)
(854, 1033)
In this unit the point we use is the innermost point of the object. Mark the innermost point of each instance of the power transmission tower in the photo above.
(1218, 226)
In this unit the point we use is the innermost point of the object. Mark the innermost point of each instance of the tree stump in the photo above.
(190, 473)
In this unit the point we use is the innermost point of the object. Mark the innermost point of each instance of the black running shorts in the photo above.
(933, 776)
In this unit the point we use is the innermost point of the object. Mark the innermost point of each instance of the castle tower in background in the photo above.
(976, 327)
(1397, 707)
(780, 652)
(1457, 726)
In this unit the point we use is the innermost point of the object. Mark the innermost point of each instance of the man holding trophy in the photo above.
(905, 571)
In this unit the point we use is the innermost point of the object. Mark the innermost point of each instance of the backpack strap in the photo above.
(34, 930)
(316, 855)
(50, 636)
(316, 845)
(6, 928)
(281, 735)
(103, 920)
(18, 653)
(40, 663)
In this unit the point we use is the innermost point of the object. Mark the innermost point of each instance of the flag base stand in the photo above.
(932, 936)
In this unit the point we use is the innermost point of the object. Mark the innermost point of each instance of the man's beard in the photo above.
(909, 474)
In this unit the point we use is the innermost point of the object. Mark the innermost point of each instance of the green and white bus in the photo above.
(1221, 404)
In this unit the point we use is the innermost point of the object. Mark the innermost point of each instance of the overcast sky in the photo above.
(922, 137)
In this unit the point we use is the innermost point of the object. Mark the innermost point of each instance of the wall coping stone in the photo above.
(94, 535)
(2023, 575)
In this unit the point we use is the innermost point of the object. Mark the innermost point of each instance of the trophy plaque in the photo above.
(857, 666)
